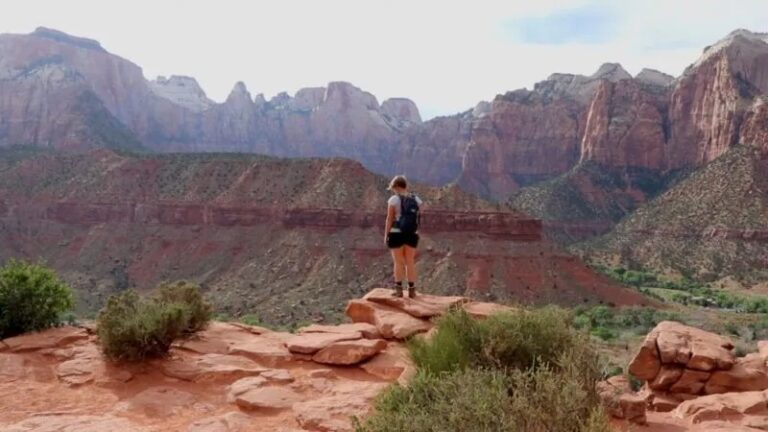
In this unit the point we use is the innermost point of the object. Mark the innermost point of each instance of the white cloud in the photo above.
(446, 55)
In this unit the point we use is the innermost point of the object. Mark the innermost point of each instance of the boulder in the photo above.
(392, 323)
(369, 331)
(672, 343)
(310, 343)
(350, 352)
(646, 363)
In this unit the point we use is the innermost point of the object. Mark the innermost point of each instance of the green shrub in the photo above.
(31, 298)
(132, 328)
(188, 294)
(513, 340)
(559, 398)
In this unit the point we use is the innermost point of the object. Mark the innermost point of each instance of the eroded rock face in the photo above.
(625, 125)
(708, 103)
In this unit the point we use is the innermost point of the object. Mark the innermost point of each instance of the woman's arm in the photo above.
(389, 222)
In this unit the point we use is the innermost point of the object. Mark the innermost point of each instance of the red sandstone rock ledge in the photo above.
(498, 224)
(230, 377)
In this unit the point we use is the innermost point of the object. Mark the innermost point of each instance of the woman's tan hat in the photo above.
(398, 181)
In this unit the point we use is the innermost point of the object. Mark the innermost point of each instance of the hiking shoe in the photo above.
(398, 292)
(412, 292)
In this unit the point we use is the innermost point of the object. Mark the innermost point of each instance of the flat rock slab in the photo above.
(369, 331)
(51, 338)
(74, 423)
(392, 323)
(350, 352)
(310, 343)
(229, 422)
(211, 367)
(266, 351)
(422, 306)
(267, 398)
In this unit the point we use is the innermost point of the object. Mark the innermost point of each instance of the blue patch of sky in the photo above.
(591, 24)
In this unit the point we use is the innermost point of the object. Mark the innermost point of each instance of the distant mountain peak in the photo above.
(181, 90)
(738, 36)
(611, 72)
(60, 36)
(653, 76)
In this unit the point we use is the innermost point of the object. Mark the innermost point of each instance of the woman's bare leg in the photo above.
(410, 266)
(398, 258)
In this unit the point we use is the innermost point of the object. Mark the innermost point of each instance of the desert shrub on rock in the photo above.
(133, 328)
(513, 340)
(523, 371)
(32, 298)
(187, 294)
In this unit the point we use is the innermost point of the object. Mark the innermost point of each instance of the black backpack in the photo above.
(409, 214)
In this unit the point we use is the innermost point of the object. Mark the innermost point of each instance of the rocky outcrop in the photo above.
(208, 382)
(693, 381)
(680, 363)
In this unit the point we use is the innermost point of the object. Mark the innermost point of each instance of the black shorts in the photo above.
(397, 240)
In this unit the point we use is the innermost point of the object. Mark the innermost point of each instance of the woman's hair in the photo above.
(398, 181)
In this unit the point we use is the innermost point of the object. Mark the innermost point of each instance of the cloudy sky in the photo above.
(446, 55)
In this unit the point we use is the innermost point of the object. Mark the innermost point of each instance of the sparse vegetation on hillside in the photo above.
(710, 225)
(133, 328)
(31, 298)
(524, 371)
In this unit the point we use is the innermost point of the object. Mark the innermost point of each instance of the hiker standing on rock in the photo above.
(401, 233)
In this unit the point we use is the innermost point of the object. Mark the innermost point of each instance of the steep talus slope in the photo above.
(713, 223)
(286, 239)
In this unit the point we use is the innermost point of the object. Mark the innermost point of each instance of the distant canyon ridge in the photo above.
(661, 169)
(66, 92)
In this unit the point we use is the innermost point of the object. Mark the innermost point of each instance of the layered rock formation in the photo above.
(287, 240)
(580, 152)
(693, 381)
